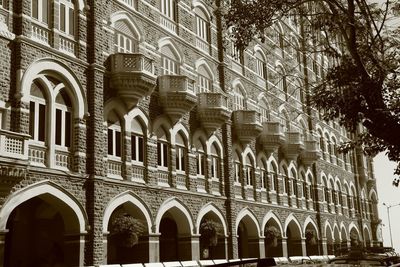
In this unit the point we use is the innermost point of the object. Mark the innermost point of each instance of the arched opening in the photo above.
(212, 237)
(336, 236)
(43, 231)
(128, 240)
(273, 239)
(311, 240)
(248, 239)
(354, 238)
(293, 235)
(175, 238)
(329, 241)
(344, 245)
(367, 237)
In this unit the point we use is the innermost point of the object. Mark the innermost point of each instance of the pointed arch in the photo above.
(201, 62)
(352, 226)
(136, 112)
(271, 216)
(309, 220)
(169, 204)
(168, 41)
(292, 218)
(72, 209)
(211, 207)
(248, 153)
(162, 122)
(343, 230)
(246, 212)
(60, 70)
(200, 4)
(179, 127)
(215, 140)
(126, 197)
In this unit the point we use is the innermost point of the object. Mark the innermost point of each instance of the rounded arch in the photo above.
(246, 212)
(72, 209)
(210, 207)
(170, 204)
(136, 113)
(308, 221)
(258, 49)
(168, 41)
(124, 16)
(52, 66)
(126, 197)
(292, 218)
(202, 6)
(271, 216)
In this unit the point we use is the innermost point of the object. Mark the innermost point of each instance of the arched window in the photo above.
(137, 142)
(305, 193)
(204, 80)
(339, 194)
(264, 176)
(333, 193)
(200, 159)
(169, 11)
(162, 149)
(295, 190)
(325, 189)
(67, 17)
(264, 110)
(248, 168)
(40, 10)
(321, 142)
(236, 159)
(274, 177)
(238, 98)
(130, 3)
(309, 187)
(37, 113)
(125, 38)
(180, 154)
(215, 155)
(114, 136)
(169, 61)
(261, 69)
(286, 182)
(328, 145)
(202, 30)
(63, 128)
(285, 121)
(281, 82)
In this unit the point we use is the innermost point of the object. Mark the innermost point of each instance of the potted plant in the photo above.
(126, 229)
(310, 237)
(271, 236)
(354, 240)
(209, 231)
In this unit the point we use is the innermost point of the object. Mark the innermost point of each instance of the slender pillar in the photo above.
(262, 247)
(284, 247)
(154, 247)
(303, 247)
(195, 242)
(324, 247)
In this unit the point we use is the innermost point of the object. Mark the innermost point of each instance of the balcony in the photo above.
(177, 95)
(13, 154)
(212, 111)
(247, 125)
(311, 152)
(272, 136)
(132, 76)
(294, 145)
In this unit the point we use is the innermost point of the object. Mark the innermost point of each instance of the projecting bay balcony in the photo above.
(311, 152)
(132, 76)
(212, 111)
(294, 145)
(247, 125)
(272, 136)
(176, 94)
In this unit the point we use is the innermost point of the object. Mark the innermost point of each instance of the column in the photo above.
(74, 245)
(324, 247)
(3, 234)
(303, 247)
(262, 247)
(195, 242)
(154, 247)
(284, 247)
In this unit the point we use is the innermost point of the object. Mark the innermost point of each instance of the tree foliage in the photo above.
(361, 88)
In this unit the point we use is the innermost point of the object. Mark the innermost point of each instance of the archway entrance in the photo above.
(212, 239)
(293, 235)
(336, 235)
(248, 239)
(273, 239)
(43, 231)
(175, 238)
(311, 240)
(344, 245)
(367, 237)
(128, 240)
(354, 238)
(329, 241)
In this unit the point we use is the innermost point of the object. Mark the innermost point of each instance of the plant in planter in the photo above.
(271, 236)
(311, 237)
(126, 229)
(209, 231)
(354, 240)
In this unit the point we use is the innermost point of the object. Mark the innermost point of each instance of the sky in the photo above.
(389, 194)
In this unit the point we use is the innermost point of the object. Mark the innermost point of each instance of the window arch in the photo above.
(205, 80)
(249, 172)
(38, 113)
(274, 176)
(238, 98)
(180, 153)
(286, 182)
(137, 142)
(294, 189)
(162, 149)
(40, 10)
(325, 189)
(63, 128)
(264, 110)
(169, 60)
(67, 17)
(237, 165)
(321, 141)
(114, 137)
(265, 185)
(216, 161)
(261, 69)
(125, 37)
(169, 11)
(201, 170)
(203, 31)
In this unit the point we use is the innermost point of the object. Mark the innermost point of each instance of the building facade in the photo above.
(145, 108)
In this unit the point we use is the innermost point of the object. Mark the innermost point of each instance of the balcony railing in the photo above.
(175, 83)
(114, 168)
(67, 45)
(201, 183)
(168, 23)
(138, 173)
(163, 178)
(132, 62)
(247, 125)
(181, 181)
(63, 159)
(37, 154)
(40, 33)
(13, 145)
(203, 45)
